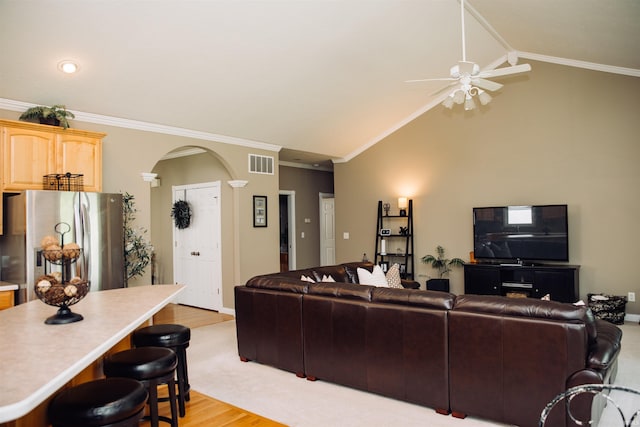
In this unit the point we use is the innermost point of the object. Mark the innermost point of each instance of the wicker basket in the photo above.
(608, 307)
(63, 182)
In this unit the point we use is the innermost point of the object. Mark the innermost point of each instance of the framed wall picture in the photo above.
(259, 211)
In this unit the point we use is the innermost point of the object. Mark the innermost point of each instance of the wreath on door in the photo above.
(181, 214)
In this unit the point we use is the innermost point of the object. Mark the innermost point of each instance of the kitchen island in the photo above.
(39, 359)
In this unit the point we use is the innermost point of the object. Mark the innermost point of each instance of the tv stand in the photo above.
(561, 282)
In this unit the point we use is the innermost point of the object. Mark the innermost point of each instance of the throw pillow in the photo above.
(307, 279)
(393, 277)
(328, 278)
(375, 278)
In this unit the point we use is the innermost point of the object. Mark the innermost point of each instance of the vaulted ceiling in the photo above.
(312, 76)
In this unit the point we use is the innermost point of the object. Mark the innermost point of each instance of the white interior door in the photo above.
(197, 251)
(327, 231)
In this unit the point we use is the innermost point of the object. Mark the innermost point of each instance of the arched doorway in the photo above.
(185, 167)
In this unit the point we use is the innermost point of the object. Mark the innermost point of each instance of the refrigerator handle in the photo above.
(82, 236)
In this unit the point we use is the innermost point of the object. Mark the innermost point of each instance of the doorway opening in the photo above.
(287, 211)
(327, 229)
(197, 248)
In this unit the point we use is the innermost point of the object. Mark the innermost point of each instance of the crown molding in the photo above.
(12, 105)
(304, 166)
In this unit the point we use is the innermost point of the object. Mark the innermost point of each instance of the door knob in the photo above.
(195, 253)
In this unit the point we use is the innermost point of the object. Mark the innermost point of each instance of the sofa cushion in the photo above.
(414, 297)
(280, 283)
(529, 307)
(341, 290)
(393, 277)
(351, 268)
(373, 278)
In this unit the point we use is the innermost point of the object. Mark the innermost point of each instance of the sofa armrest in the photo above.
(604, 351)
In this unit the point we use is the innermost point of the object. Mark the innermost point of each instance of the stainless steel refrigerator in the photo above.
(92, 220)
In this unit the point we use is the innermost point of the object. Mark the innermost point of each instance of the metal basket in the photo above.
(63, 182)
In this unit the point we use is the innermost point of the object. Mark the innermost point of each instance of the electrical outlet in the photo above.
(632, 297)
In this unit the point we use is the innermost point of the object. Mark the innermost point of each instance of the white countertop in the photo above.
(37, 359)
(4, 286)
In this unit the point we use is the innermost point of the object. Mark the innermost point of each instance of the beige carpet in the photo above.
(215, 370)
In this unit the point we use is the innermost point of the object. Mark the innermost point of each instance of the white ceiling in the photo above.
(316, 76)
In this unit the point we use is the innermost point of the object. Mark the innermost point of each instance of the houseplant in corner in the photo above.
(138, 252)
(57, 115)
(444, 266)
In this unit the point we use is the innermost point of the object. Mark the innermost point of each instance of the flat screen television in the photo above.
(521, 233)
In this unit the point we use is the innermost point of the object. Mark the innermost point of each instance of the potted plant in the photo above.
(444, 266)
(138, 252)
(57, 115)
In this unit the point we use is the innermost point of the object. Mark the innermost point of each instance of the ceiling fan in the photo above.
(467, 79)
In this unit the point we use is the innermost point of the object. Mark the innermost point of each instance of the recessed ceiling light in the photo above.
(68, 67)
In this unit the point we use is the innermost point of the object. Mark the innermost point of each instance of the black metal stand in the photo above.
(63, 316)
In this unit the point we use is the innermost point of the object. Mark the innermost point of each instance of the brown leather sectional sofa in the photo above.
(492, 357)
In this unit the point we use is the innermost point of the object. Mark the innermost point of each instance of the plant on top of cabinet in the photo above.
(57, 115)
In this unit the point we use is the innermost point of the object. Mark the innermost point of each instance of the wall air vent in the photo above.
(260, 164)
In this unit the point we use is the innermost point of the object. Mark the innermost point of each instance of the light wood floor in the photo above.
(203, 410)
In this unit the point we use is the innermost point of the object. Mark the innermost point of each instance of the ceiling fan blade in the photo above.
(442, 89)
(486, 84)
(506, 71)
(430, 80)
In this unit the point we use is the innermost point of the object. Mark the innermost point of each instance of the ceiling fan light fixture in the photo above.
(448, 102)
(484, 97)
(458, 97)
(468, 103)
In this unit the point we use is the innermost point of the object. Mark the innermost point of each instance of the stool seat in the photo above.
(152, 366)
(141, 363)
(177, 338)
(104, 402)
(168, 335)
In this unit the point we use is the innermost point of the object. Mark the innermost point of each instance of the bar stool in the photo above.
(113, 402)
(152, 366)
(175, 337)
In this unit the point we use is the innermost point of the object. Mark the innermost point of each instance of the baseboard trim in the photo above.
(632, 318)
(230, 311)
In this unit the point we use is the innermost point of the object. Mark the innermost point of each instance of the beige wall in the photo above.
(307, 184)
(558, 135)
(128, 152)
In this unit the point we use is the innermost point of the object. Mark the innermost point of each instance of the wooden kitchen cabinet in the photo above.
(30, 151)
(81, 154)
(28, 154)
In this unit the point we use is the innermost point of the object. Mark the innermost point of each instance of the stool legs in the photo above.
(153, 417)
(183, 379)
(175, 337)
